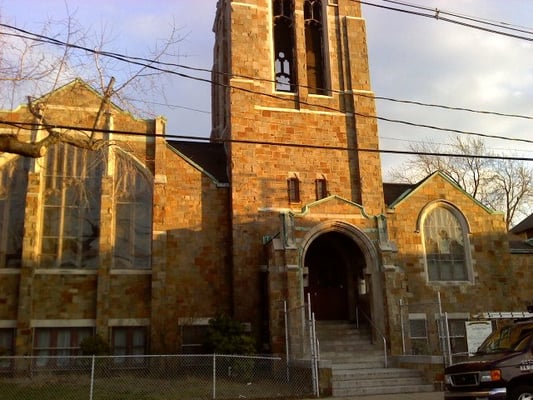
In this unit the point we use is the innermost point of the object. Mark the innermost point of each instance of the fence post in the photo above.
(402, 326)
(287, 351)
(91, 390)
(214, 376)
(313, 347)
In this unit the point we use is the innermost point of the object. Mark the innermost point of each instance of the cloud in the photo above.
(432, 61)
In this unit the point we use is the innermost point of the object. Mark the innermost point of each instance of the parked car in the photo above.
(501, 369)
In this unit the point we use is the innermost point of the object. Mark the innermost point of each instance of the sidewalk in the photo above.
(396, 396)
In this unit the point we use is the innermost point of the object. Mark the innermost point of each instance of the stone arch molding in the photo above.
(447, 205)
(372, 269)
(359, 237)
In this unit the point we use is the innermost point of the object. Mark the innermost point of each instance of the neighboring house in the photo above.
(145, 241)
(524, 229)
(521, 246)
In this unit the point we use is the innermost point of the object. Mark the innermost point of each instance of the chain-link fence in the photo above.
(299, 333)
(155, 377)
(302, 345)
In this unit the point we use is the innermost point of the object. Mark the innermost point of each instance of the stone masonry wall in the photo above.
(494, 280)
(318, 133)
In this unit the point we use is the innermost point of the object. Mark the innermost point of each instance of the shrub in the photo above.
(227, 336)
(94, 345)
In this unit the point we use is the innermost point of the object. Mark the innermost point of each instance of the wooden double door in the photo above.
(334, 262)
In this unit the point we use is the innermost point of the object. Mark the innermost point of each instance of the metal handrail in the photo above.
(357, 311)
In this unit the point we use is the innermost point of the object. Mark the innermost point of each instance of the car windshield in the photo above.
(509, 338)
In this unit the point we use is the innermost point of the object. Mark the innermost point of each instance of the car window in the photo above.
(506, 339)
(525, 342)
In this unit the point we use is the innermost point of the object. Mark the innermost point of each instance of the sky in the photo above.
(411, 58)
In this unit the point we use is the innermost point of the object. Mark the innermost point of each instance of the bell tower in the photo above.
(293, 105)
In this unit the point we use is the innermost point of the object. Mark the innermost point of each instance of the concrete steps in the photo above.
(358, 365)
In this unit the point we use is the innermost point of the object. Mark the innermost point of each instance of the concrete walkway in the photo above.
(395, 396)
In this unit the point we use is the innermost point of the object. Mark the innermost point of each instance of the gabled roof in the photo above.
(76, 83)
(525, 225)
(210, 157)
(333, 204)
(396, 190)
(393, 191)
(521, 246)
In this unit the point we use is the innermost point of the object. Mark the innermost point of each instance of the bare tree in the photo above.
(33, 64)
(498, 183)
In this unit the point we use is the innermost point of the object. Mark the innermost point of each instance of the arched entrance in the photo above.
(340, 271)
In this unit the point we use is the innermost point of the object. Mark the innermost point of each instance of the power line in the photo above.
(438, 12)
(150, 64)
(438, 15)
(30, 125)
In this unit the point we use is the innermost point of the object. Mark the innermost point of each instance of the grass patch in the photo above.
(130, 386)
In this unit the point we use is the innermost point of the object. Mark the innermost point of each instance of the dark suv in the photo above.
(501, 369)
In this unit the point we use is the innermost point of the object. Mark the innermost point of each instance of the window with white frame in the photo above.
(446, 244)
(418, 334)
(457, 332)
(55, 347)
(13, 188)
(454, 335)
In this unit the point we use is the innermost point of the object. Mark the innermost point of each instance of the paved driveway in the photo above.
(396, 396)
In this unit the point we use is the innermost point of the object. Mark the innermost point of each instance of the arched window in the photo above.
(13, 187)
(446, 244)
(314, 46)
(284, 57)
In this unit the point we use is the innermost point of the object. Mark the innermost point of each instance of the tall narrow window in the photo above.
(284, 58)
(13, 188)
(293, 188)
(133, 224)
(321, 188)
(445, 241)
(72, 196)
(314, 46)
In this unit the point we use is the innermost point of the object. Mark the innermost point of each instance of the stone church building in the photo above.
(145, 240)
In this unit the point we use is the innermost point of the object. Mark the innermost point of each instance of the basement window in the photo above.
(418, 334)
(55, 348)
(7, 344)
(129, 344)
